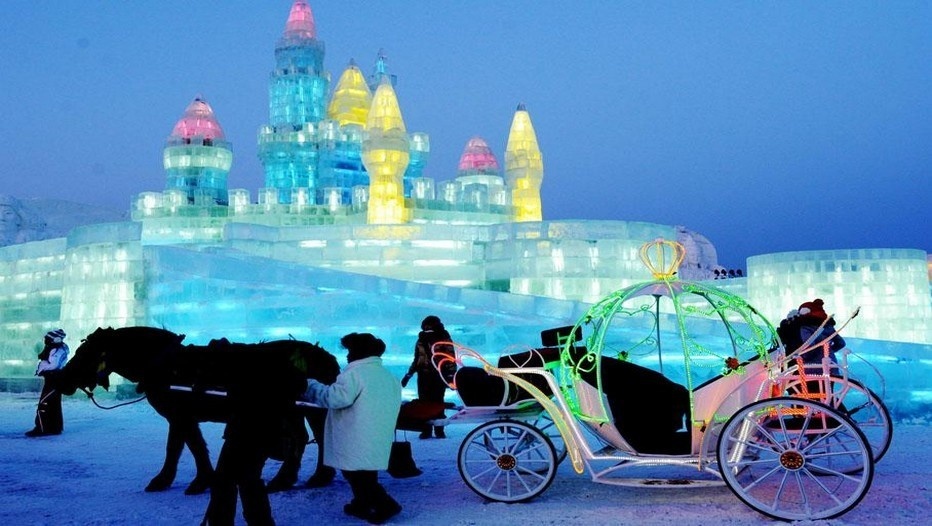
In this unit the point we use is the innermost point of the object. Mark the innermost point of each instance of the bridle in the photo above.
(90, 394)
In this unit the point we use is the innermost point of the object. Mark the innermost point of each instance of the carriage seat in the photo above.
(650, 411)
(478, 388)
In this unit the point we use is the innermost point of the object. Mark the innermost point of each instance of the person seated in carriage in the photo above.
(801, 324)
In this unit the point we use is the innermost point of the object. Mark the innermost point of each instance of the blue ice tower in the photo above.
(340, 140)
(297, 102)
(197, 158)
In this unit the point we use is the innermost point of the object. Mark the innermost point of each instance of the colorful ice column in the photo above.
(297, 100)
(298, 86)
(197, 158)
(385, 153)
(351, 98)
(340, 167)
(420, 154)
(524, 168)
(478, 174)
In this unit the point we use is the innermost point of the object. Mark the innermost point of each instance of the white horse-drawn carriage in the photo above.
(671, 374)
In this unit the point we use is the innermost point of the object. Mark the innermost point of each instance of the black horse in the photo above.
(182, 382)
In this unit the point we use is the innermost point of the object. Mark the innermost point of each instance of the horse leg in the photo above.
(173, 447)
(295, 443)
(205, 470)
(323, 475)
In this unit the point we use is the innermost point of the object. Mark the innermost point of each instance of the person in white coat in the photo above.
(363, 408)
(49, 420)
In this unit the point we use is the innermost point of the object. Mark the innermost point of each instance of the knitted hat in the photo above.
(56, 336)
(813, 309)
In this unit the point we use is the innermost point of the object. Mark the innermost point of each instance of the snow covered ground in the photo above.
(94, 474)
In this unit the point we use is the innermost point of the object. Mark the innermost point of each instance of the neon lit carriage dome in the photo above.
(688, 332)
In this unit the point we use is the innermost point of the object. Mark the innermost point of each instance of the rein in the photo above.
(121, 404)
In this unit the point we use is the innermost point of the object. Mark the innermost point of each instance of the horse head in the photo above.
(88, 366)
(315, 362)
(128, 352)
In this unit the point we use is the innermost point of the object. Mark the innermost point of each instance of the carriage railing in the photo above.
(827, 372)
(555, 406)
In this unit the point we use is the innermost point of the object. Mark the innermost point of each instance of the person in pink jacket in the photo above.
(363, 408)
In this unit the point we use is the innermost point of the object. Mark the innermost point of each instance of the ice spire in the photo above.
(385, 153)
(198, 120)
(477, 159)
(351, 98)
(380, 72)
(524, 167)
(197, 158)
(300, 22)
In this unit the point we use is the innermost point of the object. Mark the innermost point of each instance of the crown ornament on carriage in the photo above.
(662, 257)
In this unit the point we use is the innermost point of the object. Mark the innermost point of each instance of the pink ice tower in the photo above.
(197, 157)
(478, 180)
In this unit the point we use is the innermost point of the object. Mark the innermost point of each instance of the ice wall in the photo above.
(891, 287)
(202, 294)
(103, 278)
(31, 281)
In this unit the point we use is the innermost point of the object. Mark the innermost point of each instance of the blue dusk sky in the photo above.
(765, 126)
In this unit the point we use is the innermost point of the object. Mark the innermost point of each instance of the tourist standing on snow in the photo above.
(363, 408)
(261, 395)
(49, 420)
(431, 387)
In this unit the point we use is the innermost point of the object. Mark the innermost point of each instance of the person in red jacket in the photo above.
(431, 387)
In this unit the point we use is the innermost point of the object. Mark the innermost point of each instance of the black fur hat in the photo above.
(362, 345)
(430, 323)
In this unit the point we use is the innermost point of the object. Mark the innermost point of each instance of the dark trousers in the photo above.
(431, 388)
(239, 470)
(368, 494)
(48, 415)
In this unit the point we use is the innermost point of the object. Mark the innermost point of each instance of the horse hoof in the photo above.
(197, 487)
(276, 485)
(156, 486)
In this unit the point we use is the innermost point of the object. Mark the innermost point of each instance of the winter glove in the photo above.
(405, 380)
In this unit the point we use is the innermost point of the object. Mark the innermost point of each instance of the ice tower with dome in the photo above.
(351, 228)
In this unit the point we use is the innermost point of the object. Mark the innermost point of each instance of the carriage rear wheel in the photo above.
(856, 401)
(507, 461)
(794, 459)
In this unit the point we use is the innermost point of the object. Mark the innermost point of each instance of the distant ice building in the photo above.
(348, 233)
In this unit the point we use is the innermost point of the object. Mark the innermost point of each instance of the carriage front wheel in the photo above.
(507, 461)
(794, 459)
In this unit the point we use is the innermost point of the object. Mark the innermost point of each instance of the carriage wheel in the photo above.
(852, 399)
(794, 459)
(547, 426)
(507, 461)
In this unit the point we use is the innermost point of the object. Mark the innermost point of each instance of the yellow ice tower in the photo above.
(385, 154)
(351, 98)
(524, 167)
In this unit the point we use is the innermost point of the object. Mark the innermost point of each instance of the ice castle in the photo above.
(348, 233)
